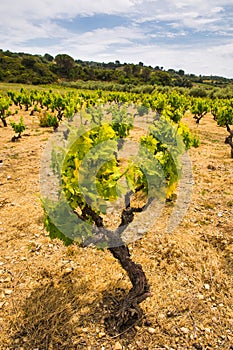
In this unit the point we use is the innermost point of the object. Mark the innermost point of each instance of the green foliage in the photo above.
(68, 227)
(18, 127)
(48, 119)
(24, 68)
(225, 118)
(166, 145)
(176, 106)
(5, 103)
(53, 230)
(224, 115)
(122, 121)
(199, 107)
(64, 64)
(142, 109)
(36, 69)
(189, 139)
(91, 175)
(158, 102)
(198, 92)
(76, 167)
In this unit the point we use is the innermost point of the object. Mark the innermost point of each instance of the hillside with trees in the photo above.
(37, 69)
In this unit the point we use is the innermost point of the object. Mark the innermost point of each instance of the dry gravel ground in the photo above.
(55, 297)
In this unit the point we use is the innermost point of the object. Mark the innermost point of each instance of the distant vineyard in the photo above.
(53, 107)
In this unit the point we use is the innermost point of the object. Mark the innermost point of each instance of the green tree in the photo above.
(29, 61)
(64, 64)
(48, 57)
(224, 117)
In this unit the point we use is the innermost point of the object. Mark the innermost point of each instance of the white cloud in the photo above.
(213, 60)
(47, 9)
(207, 25)
(96, 43)
(198, 14)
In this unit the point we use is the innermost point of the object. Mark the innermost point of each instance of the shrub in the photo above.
(48, 119)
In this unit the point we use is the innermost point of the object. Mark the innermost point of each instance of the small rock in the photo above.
(85, 330)
(8, 291)
(34, 247)
(141, 231)
(7, 279)
(206, 286)
(68, 270)
(151, 330)
(161, 316)
(8, 177)
(208, 330)
(211, 167)
(65, 261)
(117, 346)
(184, 330)
(200, 296)
(101, 335)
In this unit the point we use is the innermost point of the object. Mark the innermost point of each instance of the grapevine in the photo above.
(92, 175)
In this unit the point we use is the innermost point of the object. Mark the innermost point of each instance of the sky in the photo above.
(193, 35)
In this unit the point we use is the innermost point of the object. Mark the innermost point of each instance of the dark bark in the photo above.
(230, 142)
(60, 114)
(4, 121)
(199, 117)
(128, 309)
(229, 139)
(15, 138)
(229, 130)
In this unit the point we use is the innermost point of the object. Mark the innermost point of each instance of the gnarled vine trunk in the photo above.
(129, 307)
(229, 139)
(3, 121)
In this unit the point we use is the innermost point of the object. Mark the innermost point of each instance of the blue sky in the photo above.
(196, 36)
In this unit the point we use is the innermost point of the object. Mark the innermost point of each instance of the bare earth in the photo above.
(54, 297)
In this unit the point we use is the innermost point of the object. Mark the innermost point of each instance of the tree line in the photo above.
(26, 68)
